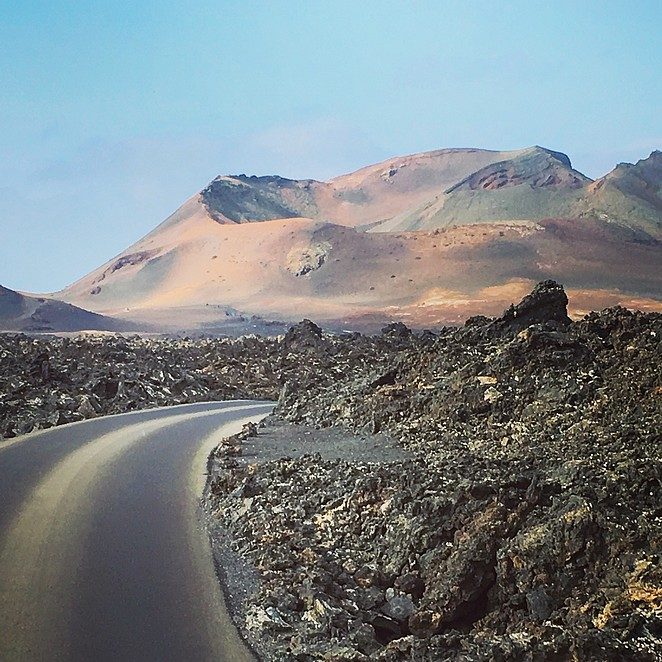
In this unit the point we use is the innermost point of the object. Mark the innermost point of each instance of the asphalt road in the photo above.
(103, 554)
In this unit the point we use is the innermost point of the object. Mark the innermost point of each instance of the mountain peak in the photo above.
(559, 156)
(654, 159)
(536, 166)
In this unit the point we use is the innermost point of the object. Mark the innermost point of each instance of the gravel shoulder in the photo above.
(278, 439)
(269, 442)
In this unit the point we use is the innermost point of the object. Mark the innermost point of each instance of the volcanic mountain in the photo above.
(429, 238)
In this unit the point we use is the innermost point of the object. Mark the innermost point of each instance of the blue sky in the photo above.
(113, 113)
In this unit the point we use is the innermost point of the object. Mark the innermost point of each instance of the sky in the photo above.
(113, 113)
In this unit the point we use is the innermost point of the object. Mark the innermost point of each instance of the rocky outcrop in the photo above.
(240, 199)
(305, 334)
(548, 303)
(301, 261)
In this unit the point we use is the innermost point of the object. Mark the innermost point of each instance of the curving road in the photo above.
(103, 554)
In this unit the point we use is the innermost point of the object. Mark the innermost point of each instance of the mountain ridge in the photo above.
(429, 238)
(420, 191)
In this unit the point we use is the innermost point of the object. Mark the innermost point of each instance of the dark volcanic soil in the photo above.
(490, 492)
(525, 525)
(47, 380)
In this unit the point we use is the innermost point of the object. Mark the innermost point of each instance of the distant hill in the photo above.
(428, 238)
(38, 314)
(630, 195)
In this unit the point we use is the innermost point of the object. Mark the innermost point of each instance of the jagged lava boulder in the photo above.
(304, 334)
(547, 302)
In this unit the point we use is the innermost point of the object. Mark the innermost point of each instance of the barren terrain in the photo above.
(428, 239)
(482, 492)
